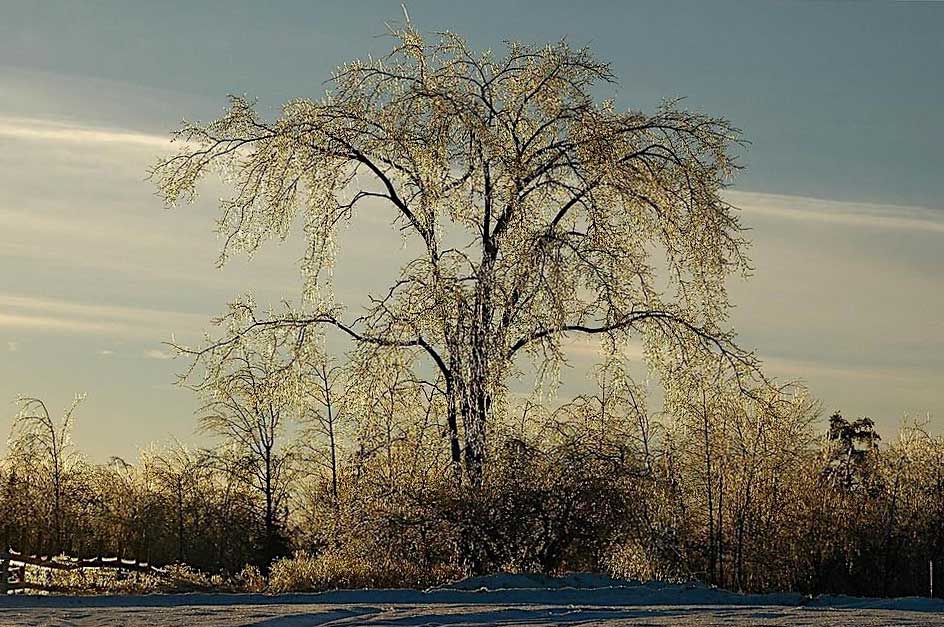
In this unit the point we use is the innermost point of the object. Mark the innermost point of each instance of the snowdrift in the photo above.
(578, 589)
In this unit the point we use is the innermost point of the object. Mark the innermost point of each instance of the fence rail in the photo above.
(13, 573)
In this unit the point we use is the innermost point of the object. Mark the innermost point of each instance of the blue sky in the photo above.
(843, 189)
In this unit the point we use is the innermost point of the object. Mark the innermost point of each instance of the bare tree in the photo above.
(615, 418)
(325, 416)
(178, 470)
(250, 396)
(535, 212)
(47, 446)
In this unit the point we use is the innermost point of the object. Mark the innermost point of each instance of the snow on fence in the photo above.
(13, 569)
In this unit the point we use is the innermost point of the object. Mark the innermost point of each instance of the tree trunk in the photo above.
(469, 399)
(474, 380)
(269, 539)
(475, 410)
(334, 462)
(57, 514)
(452, 421)
(720, 531)
(709, 489)
(180, 523)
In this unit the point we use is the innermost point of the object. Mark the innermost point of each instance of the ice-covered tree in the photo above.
(536, 212)
(250, 396)
(44, 445)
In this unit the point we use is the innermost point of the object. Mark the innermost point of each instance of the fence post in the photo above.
(4, 572)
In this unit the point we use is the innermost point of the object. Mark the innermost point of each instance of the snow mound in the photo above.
(601, 589)
(507, 581)
(904, 604)
(580, 590)
(596, 589)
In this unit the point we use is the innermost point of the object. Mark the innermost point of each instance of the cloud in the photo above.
(157, 354)
(40, 227)
(842, 213)
(588, 347)
(105, 352)
(850, 287)
(59, 131)
(51, 323)
(812, 369)
(13, 346)
(138, 250)
(29, 312)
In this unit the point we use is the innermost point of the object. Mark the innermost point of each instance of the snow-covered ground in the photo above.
(496, 600)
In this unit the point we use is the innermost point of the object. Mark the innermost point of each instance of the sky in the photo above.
(843, 191)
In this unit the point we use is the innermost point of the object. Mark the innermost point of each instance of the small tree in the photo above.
(250, 395)
(326, 417)
(615, 418)
(45, 445)
(178, 471)
(853, 445)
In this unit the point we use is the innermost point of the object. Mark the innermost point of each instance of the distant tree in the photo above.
(533, 211)
(132, 508)
(614, 419)
(854, 443)
(326, 417)
(178, 471)
(45, 446)
(250, 396)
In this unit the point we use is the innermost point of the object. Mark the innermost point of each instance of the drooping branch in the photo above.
(729, 352)
(225, 346)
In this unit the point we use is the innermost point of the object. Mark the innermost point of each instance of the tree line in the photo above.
(532, 212)
(750, 493)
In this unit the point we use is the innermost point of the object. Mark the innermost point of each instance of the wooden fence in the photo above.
(13, 569)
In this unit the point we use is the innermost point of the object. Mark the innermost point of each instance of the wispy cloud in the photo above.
(29, 312)
(40, 226)
(584, 347)
(105, 352)
(145, 254)
(807, 370)
(13, 346)
(157, 354)
(51, 323)
(841, 213)
(59, 131)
